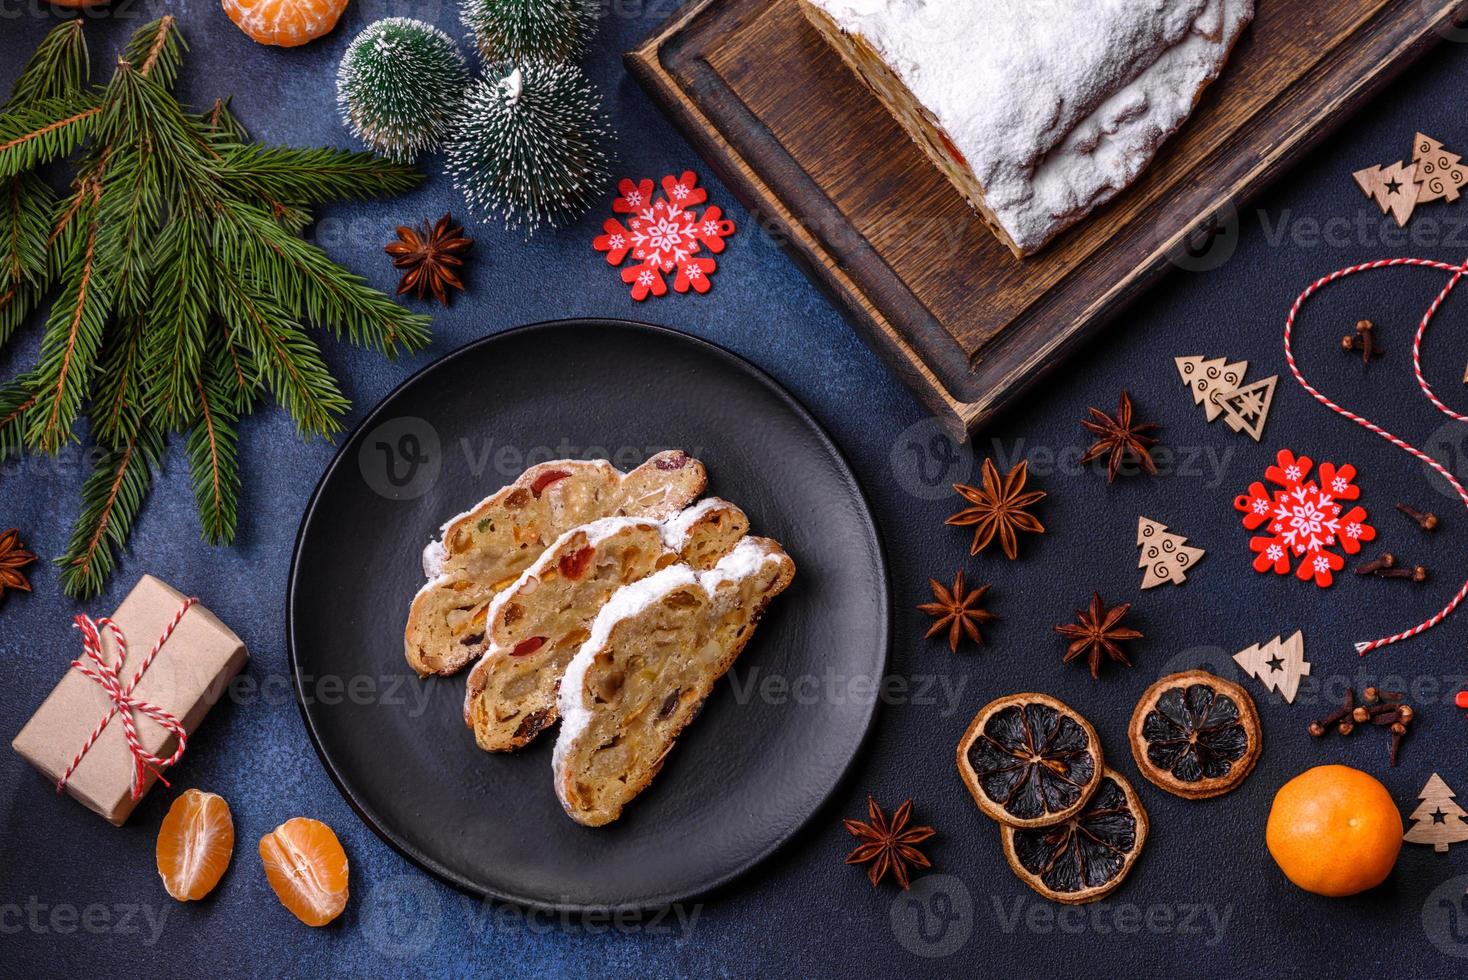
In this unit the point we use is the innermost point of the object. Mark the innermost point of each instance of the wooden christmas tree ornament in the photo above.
(1438, 820)
(1246, 409)
(1393, 188)
(1440, 174)
(1207, 378)
(1278, 664)
(1166, 556)
(1219, 387)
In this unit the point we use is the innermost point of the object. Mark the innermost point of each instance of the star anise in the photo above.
(13, 557)
(430, 256)
(1123, 440)
(888, 845)
(998, 509)
(956, 611)
(1098, 634)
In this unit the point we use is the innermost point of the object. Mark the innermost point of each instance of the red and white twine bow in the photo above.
(94, 665)
(1457, 272)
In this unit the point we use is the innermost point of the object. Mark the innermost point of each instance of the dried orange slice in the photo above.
(1084, 858)
(1030, 760)
(195, 842)
(285, 23)
(1195, 735)
(305, 864)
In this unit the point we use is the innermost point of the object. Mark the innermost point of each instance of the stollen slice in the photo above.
(483, 550)
(535, 626)
(654, 654)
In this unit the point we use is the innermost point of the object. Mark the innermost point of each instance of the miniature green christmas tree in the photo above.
(512, 30)
(528, 145)
(399, 85)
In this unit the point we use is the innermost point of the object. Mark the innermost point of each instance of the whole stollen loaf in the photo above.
(190, 673)
(1038, 111)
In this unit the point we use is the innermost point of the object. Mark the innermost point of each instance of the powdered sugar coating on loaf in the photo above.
(1055, 105)
(675, 529)
(628, 602)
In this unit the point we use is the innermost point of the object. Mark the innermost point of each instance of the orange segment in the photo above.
(305, 864)
(195, 842)
(286, 23)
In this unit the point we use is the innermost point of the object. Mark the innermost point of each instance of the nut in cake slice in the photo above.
(537, 624)
(654, 654)
(483, 550)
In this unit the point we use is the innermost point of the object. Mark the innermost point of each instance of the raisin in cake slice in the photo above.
(483, 550)
(537, 624)
(654, 654)
(1038, 112)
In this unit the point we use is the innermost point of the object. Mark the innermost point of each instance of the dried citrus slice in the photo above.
(1086, 857)
(1195, 735)
(195, 842)
(1030, 760)
(305, 864)
(285, 23)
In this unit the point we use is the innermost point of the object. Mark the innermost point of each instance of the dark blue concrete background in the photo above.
(78, 896)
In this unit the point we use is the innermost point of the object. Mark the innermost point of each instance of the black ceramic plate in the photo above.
(774, 738)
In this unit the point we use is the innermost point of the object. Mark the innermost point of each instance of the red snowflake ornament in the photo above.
(664, 235)
(1306, 519)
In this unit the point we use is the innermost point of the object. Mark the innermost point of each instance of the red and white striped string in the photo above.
(94, 665)
(1457, 272)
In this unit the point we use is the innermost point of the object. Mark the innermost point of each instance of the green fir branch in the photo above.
(26, 206)
(177, 324)
(212, 450)
(111, 498)
(289, 364)
(42, 131)
(182, 286)
(16, 398)
(157, 51)
(58, 69)
(313, 176)
(119, 392)
(315, 288)
(72, 340)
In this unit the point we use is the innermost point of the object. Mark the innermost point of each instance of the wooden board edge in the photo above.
(644, 64)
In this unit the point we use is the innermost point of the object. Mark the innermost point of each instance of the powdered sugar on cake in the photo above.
(1056, 106)
(629, 601)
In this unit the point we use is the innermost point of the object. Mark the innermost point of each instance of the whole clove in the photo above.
(1427, 521)
(1363, 340)
(1386, 560)
(1365, 714)
(1416, 574)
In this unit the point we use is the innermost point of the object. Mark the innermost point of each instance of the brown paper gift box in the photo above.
(189, 674)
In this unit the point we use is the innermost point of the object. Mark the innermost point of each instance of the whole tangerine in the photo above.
(1334, 831)
(284, 23)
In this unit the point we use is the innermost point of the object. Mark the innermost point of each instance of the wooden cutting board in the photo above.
(830, 173)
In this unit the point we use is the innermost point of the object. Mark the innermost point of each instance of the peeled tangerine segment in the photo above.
(305, 864)
(195, 843)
